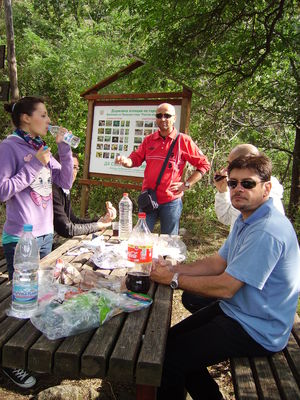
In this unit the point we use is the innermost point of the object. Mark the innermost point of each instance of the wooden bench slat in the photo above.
(67, 358)
(150, 363)
(8, 327)
(285, 380)
(94, 361)
(4, 305)
(292, 353)
(2, 263)
(123, 359)
(41, 355)
(264, 379)
(5, 289)
(14, 355)
(243, 379)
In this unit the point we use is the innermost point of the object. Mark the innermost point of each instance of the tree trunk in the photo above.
(11, 53)
(294, 203)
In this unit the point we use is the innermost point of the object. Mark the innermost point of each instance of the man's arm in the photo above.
(62, 224)
(213, 265)
(204, 277)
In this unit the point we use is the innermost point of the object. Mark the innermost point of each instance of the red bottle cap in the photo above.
(142, 215)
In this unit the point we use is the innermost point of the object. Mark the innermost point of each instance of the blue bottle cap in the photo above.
(45, 147)
(27, 228)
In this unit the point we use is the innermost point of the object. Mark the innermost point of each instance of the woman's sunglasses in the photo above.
(160, 116)
(246, 184)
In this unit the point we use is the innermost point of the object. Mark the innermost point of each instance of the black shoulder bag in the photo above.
(147, 200)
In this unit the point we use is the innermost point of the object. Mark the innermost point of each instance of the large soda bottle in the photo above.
(125, 217)
(25, 277)
(140, 250)
(69, 138)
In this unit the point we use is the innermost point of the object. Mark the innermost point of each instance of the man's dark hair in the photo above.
(26, 105)
(260, 164)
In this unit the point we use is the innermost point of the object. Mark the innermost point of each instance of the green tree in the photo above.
(242, 61)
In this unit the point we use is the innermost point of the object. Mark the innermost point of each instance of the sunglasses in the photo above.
(246, 184)
(167, 116)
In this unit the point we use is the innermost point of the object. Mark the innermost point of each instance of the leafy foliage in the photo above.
(240, 58)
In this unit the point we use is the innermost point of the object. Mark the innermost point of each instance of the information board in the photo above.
(119, 130)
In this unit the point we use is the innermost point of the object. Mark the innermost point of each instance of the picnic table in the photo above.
(129, 348)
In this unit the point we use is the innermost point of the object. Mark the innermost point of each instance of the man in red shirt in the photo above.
(154, 150)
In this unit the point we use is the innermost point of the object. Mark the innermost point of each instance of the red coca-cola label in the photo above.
(140, 254)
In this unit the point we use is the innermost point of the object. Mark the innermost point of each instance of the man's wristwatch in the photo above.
(187, 185)
(174, 281)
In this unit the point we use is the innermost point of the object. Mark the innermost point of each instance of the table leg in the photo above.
(145, 392)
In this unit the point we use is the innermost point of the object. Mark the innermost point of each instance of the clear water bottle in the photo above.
(25, 277)
(140, 250)
(125, 217)
(69, 138)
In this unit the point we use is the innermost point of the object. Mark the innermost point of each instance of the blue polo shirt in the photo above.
(263, 252)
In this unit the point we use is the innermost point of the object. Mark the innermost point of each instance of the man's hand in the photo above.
(177, 187)
(43, 155)
(162, 271)
(221, 185)
(124, 161)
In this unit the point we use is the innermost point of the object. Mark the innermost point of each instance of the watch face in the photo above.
(173, 285)
(174, 282)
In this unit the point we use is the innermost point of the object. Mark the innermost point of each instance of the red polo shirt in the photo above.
(154, 150)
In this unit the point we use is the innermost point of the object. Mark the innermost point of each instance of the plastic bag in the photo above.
(86, 311)
(169, 246)
(112, 256)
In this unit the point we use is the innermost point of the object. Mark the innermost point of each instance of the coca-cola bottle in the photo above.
(140, 249)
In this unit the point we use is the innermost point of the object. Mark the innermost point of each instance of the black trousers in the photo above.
(193, 302)
(205, 338)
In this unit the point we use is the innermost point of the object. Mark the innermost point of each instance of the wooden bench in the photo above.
(276, 377)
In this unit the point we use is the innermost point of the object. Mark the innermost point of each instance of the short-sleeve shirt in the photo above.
(263, 252)
(154, 150)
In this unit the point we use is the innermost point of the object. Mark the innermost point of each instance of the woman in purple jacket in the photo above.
(26, 175)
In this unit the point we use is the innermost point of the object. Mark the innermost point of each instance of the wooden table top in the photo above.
(128, 348)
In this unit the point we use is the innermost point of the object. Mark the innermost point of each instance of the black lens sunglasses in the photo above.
(160, 116)
(246, 184)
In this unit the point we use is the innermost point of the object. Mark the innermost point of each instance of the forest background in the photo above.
(240, 58)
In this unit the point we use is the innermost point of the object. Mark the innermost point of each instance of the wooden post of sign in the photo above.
(85, 188)
(185, 110)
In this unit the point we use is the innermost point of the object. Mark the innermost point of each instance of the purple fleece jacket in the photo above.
(26, 185)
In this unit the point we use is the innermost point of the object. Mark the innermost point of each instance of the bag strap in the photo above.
(166, 161)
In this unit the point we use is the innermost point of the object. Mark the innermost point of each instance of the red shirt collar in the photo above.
(172, 135)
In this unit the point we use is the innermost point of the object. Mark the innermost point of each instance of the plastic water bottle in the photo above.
(69, 138)
(140, 250)
(25, 277)
(125, 217)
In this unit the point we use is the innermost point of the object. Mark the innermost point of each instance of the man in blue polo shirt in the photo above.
(256, 273)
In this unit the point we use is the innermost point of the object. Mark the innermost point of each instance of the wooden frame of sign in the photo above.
(182, 99)
(2, 55)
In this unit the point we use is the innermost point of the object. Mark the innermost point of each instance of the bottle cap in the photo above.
(142, 215)
(45, 147)
(125, 194)
(27, 228)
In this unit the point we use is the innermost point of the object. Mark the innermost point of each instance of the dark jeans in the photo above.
(193, 302)
(45, 246)
(205, 338)
(168, 215)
